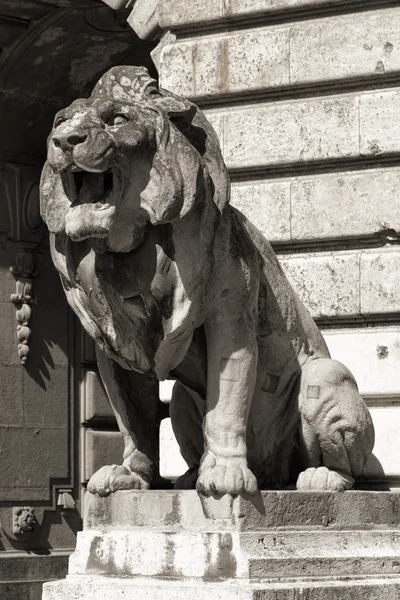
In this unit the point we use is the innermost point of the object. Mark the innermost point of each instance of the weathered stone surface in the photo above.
(216, 312)
(372, 354)
(100, 447)
(177, 13)
(306, 208)
(181, 510)
(358, 282)
(29, 477)
(321, 50)
(262, 540)
(345, 47)
(317, 201)
(144, 18)
(267, 205)
(385, 413)
(11, 394)
(240, 62)
(379, 123)
(308, 130)
(94, 397)
(327, 282)
(101, 588)
(288, 132)
(380, 281)
(274, 543)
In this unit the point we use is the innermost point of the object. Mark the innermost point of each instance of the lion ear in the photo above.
(54, 203)
(174, 106)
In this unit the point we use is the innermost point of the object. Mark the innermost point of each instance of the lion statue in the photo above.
(172, 281)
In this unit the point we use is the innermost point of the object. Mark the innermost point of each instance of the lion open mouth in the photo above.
(93, 202)
(94, 190)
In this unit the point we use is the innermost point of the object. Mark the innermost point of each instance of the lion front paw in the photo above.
(226, 476)
(323, 479)
(111, 478)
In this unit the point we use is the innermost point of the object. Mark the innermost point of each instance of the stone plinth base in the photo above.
(102, 588)
(274, 546)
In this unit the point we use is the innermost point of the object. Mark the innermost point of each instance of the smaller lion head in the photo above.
(129, 155)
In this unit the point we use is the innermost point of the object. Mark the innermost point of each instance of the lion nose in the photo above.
(68, 142)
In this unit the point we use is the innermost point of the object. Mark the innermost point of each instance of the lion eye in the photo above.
(118, 119)
(59, 121)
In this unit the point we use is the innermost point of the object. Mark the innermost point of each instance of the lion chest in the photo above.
(138, 303)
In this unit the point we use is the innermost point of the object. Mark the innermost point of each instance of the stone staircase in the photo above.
(282, 545)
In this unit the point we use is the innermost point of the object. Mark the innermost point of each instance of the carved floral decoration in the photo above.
(21, 183)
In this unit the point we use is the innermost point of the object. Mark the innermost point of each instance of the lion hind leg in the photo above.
(336, 427)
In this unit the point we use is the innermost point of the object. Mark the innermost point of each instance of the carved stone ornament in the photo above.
(22, 191)
(169, 279)
(24, 520)
(23, 271)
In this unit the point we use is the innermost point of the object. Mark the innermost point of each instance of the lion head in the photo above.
(129, 155)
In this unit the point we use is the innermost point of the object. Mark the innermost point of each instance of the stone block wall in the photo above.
(304, 97)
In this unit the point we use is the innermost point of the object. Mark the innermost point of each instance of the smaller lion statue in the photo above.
(171, 281)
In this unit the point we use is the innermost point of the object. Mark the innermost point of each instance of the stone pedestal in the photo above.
(167, 545)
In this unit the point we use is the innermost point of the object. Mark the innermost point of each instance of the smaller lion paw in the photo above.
(111, 478)
(226, 476)
(323, 479)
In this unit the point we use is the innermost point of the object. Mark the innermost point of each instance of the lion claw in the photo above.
(233, 477)
(111, 478)
(323, 479)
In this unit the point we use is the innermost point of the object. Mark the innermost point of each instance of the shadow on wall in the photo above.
(54, 56)
(375, 477)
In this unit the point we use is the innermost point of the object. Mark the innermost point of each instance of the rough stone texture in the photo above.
(306, 208)
(177, 13)
(267, 546)
(22, 576)
(361, 282)
(380, 281)
(268, 205)
(317, 201)
(144, 18)
(100, 588)
(94, 397)
(310, 130)
(259, 401)
(328, 283)
(345, 47)
(373, 355)
(240, 62)
(100, 447)
(379, 123)
(304, 53)
(383, 464)
(273, 510)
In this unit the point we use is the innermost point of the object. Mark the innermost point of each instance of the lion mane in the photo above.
(177, 133)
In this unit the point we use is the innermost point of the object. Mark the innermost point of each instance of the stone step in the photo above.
(104, 588)
(174, 510)
(327, 543)
(255, 555)
(316, 567)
